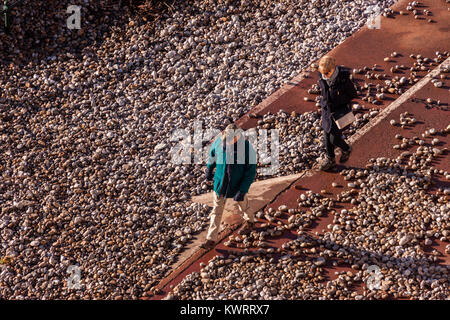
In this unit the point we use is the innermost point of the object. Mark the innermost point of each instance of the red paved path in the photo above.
(402, 34)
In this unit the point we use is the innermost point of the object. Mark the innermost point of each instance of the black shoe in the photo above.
(327, 164)
(345, 155)
(208, 244)
(246, 228)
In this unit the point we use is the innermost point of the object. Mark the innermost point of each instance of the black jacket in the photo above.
(335, 96)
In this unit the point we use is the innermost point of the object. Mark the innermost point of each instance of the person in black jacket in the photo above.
(337, 90)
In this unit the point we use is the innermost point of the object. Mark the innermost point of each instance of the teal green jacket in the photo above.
(242, 175)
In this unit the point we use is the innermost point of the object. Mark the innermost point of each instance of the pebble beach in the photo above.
(86, 179)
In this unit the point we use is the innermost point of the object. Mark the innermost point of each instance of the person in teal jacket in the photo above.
(234, 161)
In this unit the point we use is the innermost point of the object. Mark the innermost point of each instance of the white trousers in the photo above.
(217, 211)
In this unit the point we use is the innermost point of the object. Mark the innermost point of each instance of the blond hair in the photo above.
(326, 64)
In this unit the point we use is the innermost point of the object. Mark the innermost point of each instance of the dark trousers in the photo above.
(334, 139)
